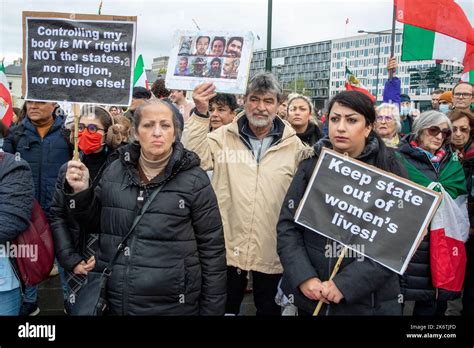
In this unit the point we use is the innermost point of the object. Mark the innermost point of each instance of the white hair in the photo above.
(395, 113)
(428, 119)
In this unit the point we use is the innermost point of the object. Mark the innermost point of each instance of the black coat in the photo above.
(312, 134)
(416, 282)
(368, 287)
(468, 167)
(16, 196)
(44, 155)
(175, 260)
(69, 236)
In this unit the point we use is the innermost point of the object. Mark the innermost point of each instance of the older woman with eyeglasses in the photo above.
(161, 235)
(462, 144)
(387, 124)
(428, 158)
(463, 128)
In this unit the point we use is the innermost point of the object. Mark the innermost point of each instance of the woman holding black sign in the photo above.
(166, 254)
(361, 287)
(430, 160)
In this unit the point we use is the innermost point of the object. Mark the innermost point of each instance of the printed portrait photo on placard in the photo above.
(215, 67)
(202, 45)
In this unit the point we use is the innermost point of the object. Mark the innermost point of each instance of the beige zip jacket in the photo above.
(250, 194)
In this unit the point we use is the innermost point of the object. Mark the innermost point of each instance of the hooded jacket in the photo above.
(174, 262)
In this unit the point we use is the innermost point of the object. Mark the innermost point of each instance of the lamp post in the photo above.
(268, 63)
(379, 34)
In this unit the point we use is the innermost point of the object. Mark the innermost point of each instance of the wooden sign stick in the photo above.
(76, 110)
(333, 274)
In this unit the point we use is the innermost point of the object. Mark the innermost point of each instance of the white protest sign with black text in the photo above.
(78, 58)
(222, 58)
(356, 204)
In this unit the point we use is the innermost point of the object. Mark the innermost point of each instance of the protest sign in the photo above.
(218, 57)
(78, 58)
(375, 213)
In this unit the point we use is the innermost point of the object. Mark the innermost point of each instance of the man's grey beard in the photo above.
(260, 123)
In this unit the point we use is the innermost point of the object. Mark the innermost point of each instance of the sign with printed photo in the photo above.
(217, 57)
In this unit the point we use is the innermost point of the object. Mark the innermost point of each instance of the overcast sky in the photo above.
(294, 21)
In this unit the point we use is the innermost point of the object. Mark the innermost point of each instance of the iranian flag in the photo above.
(437, 30)
(139, 74)
(6, 107)
(353, 84)
(440, 16)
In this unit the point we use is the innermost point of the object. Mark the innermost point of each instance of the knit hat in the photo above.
(404, 98)
(141, 93)
(447, 96)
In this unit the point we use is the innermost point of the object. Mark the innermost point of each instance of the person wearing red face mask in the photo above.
(76, 246)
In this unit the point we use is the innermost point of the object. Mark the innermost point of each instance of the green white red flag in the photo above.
(139, 74)
(437, 30)
(353, 84)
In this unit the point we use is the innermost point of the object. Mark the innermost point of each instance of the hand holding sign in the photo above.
(331, 292)
(312, 289)
(201, 96)
(77, 176)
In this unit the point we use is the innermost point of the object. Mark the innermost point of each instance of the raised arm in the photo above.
(197, 127)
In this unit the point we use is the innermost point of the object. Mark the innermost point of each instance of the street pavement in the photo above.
(50, 299)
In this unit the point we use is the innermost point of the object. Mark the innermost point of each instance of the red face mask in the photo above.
(89, 142)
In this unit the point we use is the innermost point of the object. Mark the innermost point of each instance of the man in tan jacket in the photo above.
(254, 159)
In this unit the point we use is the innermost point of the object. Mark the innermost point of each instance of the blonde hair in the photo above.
(294, 97)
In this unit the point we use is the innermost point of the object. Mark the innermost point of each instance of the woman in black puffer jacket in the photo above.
(174, 262)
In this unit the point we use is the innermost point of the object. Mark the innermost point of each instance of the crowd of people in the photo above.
(222, 168)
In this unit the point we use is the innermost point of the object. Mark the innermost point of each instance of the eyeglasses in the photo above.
(387, 118)
(434, 131)
(461, 129)
(463, 95)
(92, 128)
